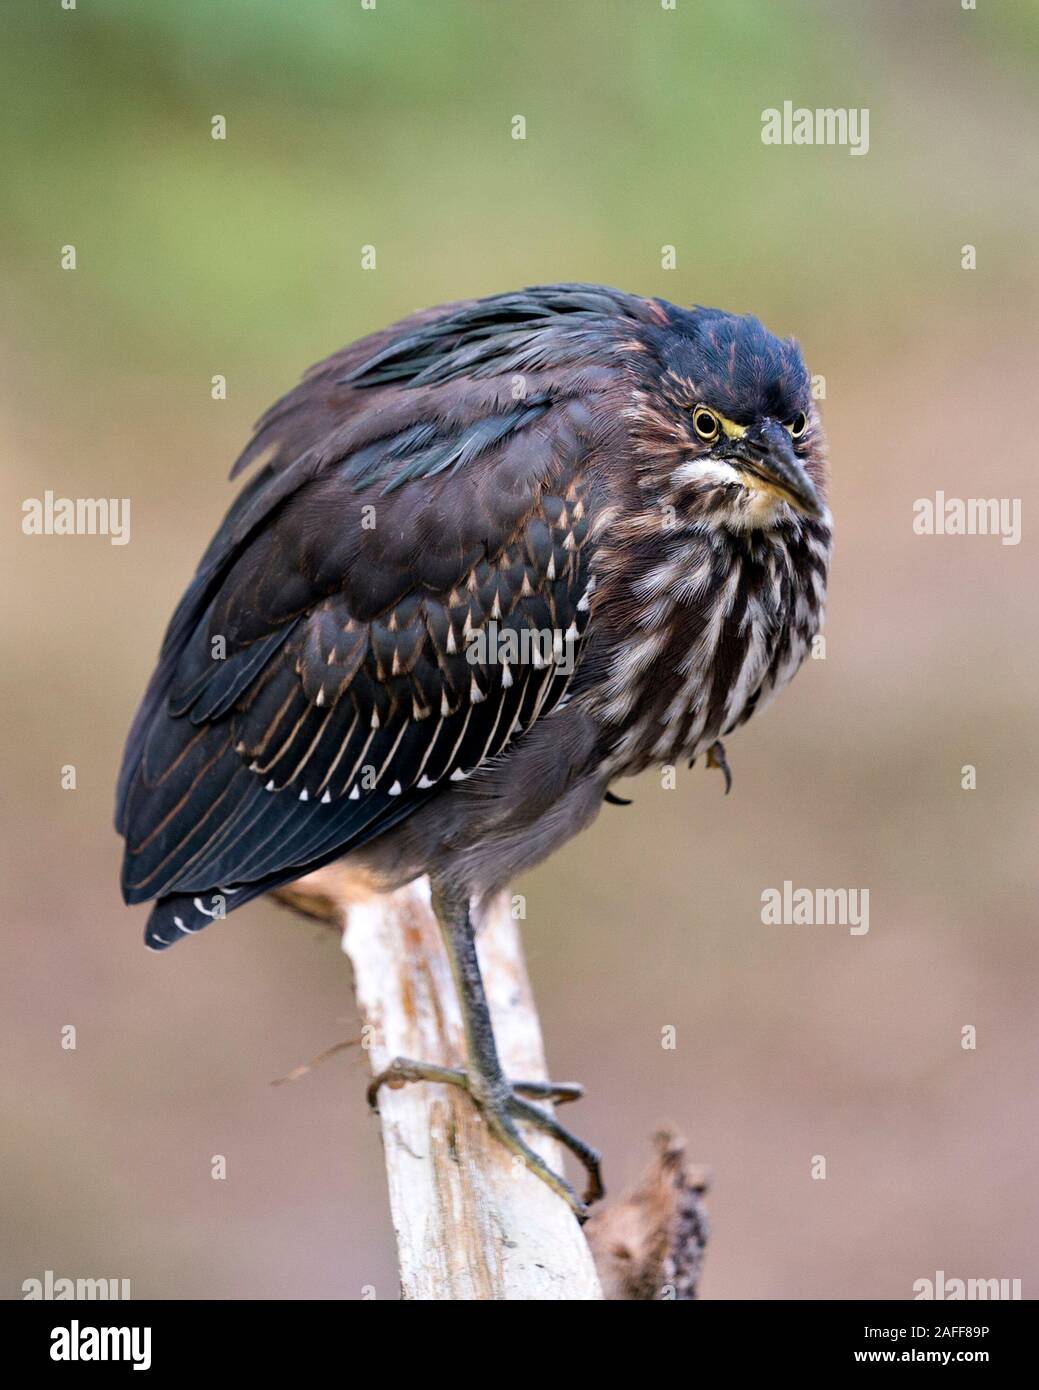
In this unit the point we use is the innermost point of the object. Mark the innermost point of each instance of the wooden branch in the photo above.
(471, 1221)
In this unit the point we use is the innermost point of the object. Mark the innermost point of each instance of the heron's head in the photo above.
(729, 429)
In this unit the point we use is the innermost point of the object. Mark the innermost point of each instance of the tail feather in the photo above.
(183, 914)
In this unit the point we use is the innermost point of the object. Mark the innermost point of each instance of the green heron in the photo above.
(352, 674)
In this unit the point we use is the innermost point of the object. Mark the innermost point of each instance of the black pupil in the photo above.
(705, 423)
(799, 422)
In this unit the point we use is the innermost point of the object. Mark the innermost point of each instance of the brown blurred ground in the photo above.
(792, 1041)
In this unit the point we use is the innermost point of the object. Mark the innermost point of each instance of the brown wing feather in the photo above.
(389, 525)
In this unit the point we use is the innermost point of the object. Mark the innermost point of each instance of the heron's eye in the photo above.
(705, 423)
(798, 425)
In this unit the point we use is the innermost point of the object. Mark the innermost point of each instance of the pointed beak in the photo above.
(765, 454)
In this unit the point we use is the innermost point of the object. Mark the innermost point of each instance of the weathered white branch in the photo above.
(471, 1221)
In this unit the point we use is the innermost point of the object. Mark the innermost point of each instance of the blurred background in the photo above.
(391, 127)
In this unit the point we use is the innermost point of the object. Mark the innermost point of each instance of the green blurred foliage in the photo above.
(391, 126)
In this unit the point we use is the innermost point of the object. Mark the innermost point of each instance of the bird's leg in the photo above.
(500, 1102)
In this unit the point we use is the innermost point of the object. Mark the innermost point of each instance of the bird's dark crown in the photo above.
(734, 364)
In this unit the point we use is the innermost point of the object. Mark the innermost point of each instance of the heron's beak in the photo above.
(765, 456)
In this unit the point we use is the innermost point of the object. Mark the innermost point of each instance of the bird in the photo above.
(489, 560)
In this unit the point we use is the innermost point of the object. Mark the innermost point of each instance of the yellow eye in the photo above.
(798, 425)
(705, 423)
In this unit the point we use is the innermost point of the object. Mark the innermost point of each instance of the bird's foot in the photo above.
(501, 1105)
(716, 758)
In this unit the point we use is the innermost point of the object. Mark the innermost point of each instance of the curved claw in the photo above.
(614, 800)
(501, 1124)
(584, 1153)
(716, 758)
